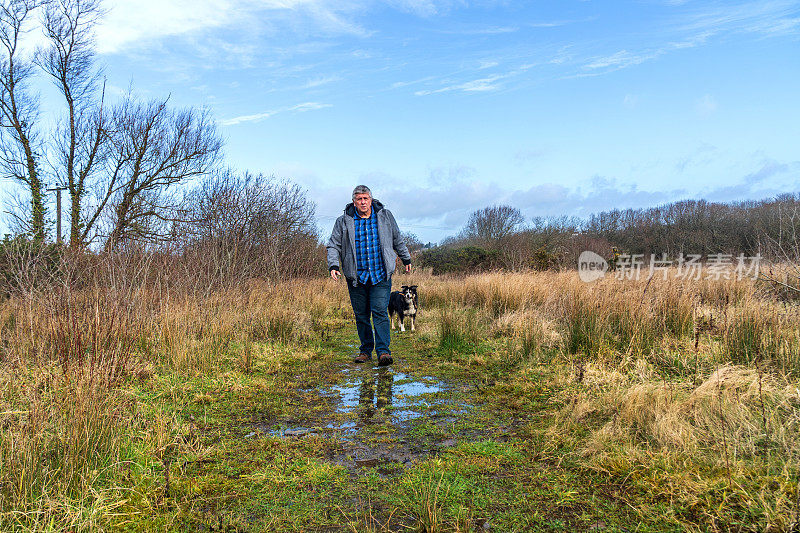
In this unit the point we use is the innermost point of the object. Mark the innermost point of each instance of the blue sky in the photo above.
(446, 106)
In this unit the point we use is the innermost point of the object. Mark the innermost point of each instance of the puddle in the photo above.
(379, 397)
(290, 432)
(372, 417)
(391, 394)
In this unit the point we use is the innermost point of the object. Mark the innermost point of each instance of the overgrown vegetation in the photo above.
(130, 400)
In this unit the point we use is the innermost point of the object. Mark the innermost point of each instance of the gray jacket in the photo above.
(342, 244)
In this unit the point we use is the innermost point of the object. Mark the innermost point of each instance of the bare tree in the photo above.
(783, 248)
(413, 242)
(491, 224)
(250, 226)
(20, 145)
(80, 142)
(154, 148)
(119, 165)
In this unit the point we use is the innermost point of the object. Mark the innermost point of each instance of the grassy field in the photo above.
(524, 402)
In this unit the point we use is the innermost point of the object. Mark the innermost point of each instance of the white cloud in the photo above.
(631, 100)
(706, 105)
(440, 206)
(398, 84)
(131, 23)
(695, 27)
(621, 59)
(485, 84)
(479, 85)
(424, 8)
(491, 30)
(320, 81)
(554, 23)
(258, 117)
(309, 106)
(774, 17)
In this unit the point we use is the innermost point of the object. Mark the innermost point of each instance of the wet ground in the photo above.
(381, 417)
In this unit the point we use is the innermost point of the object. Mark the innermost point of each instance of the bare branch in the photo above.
(155, 148)
(19, 111)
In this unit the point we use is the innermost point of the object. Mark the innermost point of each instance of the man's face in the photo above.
(363, 203)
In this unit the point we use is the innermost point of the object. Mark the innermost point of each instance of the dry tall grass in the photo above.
(695, 383)
(679, 389)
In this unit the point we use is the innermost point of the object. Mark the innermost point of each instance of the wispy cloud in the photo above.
(555, 23)
(706, 105)
(489, 30)
(702, 155)
(425, 8)
(695, 27)
(257, 117)
(480, 85)
(398, 84)
(620, 59)
(133, 23)
(484, 84)
(769, 18)
(767, 179)
(320, 81)
(631, 100)
(524, 156)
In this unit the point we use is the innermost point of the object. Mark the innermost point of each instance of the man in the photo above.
(363, 247)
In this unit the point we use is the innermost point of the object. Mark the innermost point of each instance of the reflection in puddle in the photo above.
(394, 396)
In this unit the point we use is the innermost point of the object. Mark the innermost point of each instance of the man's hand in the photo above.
(408, 268)
(335, 275)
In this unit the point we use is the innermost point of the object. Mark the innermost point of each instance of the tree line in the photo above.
(500, 236)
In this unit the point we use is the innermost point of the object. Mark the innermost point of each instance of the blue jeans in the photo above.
(368, 299)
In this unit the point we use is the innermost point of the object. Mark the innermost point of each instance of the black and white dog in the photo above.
(404, 303)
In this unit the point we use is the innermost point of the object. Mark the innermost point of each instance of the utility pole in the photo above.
(58, 211)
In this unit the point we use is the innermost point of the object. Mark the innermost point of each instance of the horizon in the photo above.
(443, 107)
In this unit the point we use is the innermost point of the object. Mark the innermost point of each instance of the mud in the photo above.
(374, 415)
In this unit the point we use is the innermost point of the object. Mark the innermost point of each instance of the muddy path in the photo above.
(310, 441)
(379, 417)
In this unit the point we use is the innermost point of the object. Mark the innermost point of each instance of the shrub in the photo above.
(464, 259)
(25, 263)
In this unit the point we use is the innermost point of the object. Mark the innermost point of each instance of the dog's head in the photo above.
(409, 292)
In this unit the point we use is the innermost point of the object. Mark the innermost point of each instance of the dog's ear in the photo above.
(404, 287)
(413, 288)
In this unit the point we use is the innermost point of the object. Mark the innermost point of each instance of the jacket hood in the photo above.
(350, 209)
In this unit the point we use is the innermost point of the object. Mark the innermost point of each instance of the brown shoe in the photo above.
(362, 358)
(384, 359)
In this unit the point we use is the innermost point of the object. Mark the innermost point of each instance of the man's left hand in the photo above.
(408, 268)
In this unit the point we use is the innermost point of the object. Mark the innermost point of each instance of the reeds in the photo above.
(62, 436)
(657, 375)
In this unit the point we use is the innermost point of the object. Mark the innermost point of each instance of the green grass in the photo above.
(221, 476)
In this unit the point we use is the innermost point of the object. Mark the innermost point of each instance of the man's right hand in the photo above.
(335, 275)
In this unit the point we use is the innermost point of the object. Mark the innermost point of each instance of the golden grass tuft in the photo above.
(61, 436)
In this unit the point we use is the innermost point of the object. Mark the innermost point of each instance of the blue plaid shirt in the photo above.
(369, 259)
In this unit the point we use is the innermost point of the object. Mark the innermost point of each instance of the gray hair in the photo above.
(361, 189)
